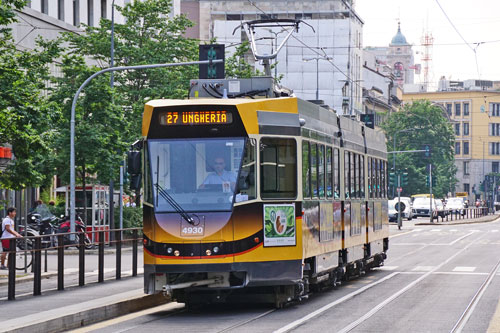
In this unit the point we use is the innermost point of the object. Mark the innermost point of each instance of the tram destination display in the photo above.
(175, 118)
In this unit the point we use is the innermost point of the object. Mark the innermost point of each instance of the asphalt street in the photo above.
(436, 279)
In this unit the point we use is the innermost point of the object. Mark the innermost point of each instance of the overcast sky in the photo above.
(477, 21)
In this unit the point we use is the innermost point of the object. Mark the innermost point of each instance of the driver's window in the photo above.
(246, 189)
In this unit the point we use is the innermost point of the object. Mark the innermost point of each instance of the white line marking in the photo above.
(460, 238)
(391, 298)
(495, 230)
(454, 230)
(423, 268)
(410, 244)
(464, 269)
(435, 230)
(302, 320)
(387, 268)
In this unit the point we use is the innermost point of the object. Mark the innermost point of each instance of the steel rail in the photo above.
(459, 326)
(230, 328)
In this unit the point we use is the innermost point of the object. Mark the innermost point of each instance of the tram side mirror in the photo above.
(134, 162)
(135, 182)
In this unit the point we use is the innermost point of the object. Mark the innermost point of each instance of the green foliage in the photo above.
(415, 125)
(132, 217)
(26, 115)
(149, 36)
(236, 65)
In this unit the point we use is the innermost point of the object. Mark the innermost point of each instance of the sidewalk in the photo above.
(483, 219)
(63, 310)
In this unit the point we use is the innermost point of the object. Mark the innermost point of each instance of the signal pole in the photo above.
(399, 200)
(430, 191)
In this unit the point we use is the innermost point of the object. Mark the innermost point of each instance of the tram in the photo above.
(263, 196)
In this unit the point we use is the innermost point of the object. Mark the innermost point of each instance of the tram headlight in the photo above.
(208, 252)
(176, 253)
(216, 249)
(170, 250)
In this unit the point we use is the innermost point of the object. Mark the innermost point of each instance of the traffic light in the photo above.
(368, 119)
(404, 179)
(427, 151)
(393, 179)
(212, 52)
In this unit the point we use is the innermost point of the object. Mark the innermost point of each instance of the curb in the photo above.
(76, 319)
(492, 219)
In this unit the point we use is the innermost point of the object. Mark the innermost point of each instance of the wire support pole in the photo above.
(72, 121)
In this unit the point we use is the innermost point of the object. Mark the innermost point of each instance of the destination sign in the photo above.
(196, 118)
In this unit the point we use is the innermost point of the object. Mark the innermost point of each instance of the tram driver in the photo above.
(220, 176)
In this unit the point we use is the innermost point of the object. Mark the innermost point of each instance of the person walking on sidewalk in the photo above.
(8, 232)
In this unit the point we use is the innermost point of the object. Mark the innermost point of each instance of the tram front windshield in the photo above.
(195, 174)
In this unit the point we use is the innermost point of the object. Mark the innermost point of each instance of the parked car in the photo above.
(455, 205)
(421, 207)
(405, 209)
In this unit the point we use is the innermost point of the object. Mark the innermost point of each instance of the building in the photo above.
(475, 116)
(380, 95)
(48, 18)
(454, 85)
(397, 59)
(322, 62)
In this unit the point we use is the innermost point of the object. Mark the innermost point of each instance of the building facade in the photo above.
(475, 117)
(322, 62)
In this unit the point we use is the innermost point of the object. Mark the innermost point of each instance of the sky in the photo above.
(477, 22)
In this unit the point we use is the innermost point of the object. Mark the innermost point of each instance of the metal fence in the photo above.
(463, 214)
(31, 258)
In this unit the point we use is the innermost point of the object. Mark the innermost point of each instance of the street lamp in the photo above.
(327, 58)
(112, 61)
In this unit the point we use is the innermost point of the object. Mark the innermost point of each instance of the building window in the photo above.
(45, 6)
(466, 109)
(457, 148)
(494, 148)
(495, 109)
(466, 167)
(466, 128)
(304, 16)
(90, 13)
(104, 9)
(448, 108)
(495, 167)
(466, 147)
(268, 16)
(60, 10)
(76, 12)
(457, 109)
(234, 17)
(467, 188)
(494, 129)
(457, 129)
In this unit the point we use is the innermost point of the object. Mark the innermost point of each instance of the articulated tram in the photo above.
(267, 197)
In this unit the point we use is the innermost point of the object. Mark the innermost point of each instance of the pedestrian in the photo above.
(8, 232)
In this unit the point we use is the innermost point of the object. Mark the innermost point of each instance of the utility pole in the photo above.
(399, 200)
(430, 191)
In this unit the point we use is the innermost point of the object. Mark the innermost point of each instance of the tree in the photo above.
(26, 115)
(415, 125)
(149, 36)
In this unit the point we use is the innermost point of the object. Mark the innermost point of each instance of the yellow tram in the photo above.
(268, 197)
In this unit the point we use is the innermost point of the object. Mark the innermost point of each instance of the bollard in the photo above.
(60, 263)
(101, 257)
(81, 259)
(11, 294)
(135, 235)
(37, 267)
(45, 262)
(118, 239)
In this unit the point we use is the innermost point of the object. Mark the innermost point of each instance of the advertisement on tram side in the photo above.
(279, 225)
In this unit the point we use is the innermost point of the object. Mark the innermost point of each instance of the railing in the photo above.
(463, 214)
(23, 259)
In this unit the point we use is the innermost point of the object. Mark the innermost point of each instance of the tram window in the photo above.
(382, 179)
(329, 174)
(379, 180)
(321, 171)
(148, 188)
(278, 166)
(246, 180)
(369, 177)
(352, 157)
(347, 174)
(336, 173)
(385, 179)
(306, 170)
(314, 170)
(362, 176)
